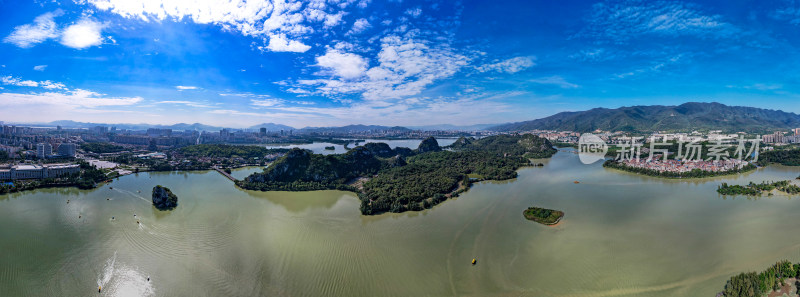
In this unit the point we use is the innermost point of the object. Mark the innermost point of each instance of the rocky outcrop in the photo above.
(163, 198)
(397, 161)
(380, 149)
(429, 145)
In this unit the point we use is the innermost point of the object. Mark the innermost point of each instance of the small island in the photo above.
(163, 198)
(543, 216)
(754, 189)
(330, 148)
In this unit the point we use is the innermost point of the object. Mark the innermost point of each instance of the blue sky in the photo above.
(336, 62)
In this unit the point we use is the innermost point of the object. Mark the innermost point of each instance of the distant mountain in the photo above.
(351, 128)
(177, 127)
(685, 117)
(448, 127)
(271, 127)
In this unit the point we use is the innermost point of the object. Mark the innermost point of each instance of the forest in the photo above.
(756, 284)
(101, 147)
(227, 151)
(788, 157)
(402, 179)
(754, 189)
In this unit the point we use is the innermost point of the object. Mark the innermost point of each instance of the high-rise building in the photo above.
(67, 149)
(43, 150)
(796, 131)
(263, 131)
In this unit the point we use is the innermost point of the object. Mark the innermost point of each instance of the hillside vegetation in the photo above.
(685, 117)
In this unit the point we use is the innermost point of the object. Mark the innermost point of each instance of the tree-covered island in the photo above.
(543, 216)
(754, 189)
(163, 198)
(402, 179)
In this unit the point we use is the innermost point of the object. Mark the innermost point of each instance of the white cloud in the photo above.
(282, 24)
(75, 99)
(39, 67)
(344, 65)
(512, 65)
(181, 88)
(52, 85)
(359, 26)
(279, 43)
(405, 67)
(187, 103)
(556, 81)
(269, 102)
(85, 33)
(9, 80)
(42, 29)
(416, 12)
(620, 21)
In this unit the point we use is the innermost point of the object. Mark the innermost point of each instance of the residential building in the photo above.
(43, 150)
(67, 149)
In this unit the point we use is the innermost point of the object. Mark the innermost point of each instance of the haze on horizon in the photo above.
(407, 63)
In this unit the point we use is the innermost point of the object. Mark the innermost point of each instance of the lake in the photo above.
(622, 235)
(319, 147)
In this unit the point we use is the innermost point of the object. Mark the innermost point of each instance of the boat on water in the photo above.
(577, 182)
(474, 261)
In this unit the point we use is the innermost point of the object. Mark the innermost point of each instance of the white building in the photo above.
(31, 171)
(43, 150)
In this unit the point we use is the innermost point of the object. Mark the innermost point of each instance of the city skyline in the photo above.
(406, 63)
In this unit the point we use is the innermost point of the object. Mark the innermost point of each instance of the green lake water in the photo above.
(622, 235)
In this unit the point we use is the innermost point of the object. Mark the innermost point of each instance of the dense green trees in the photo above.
(426, 175)
(754, 284)
(228, 151)
(402, 179)
(789, 157)
(526, 145)
(543, 215)
(101, 147)
(754, 189)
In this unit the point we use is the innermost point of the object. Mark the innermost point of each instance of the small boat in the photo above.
(148, 278)
(79, 216)
(67, 201)
(112, 218)
(577, 182)
(474, 261)
(107, 199)
(110, 188)
(137, 221)
(99, 288)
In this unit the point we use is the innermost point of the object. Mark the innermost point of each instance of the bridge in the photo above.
(225, 174)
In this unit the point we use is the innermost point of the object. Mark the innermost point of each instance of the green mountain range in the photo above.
(685, 117)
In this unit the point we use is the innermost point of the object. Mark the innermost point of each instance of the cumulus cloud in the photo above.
(512, 65)
(359, 26)
(85, 33)
(406, 65)
(344, 65)
(42, 29)
(279, 43)
(280, 23)
(10, 80)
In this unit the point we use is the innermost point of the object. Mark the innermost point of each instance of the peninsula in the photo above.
(403, 179)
